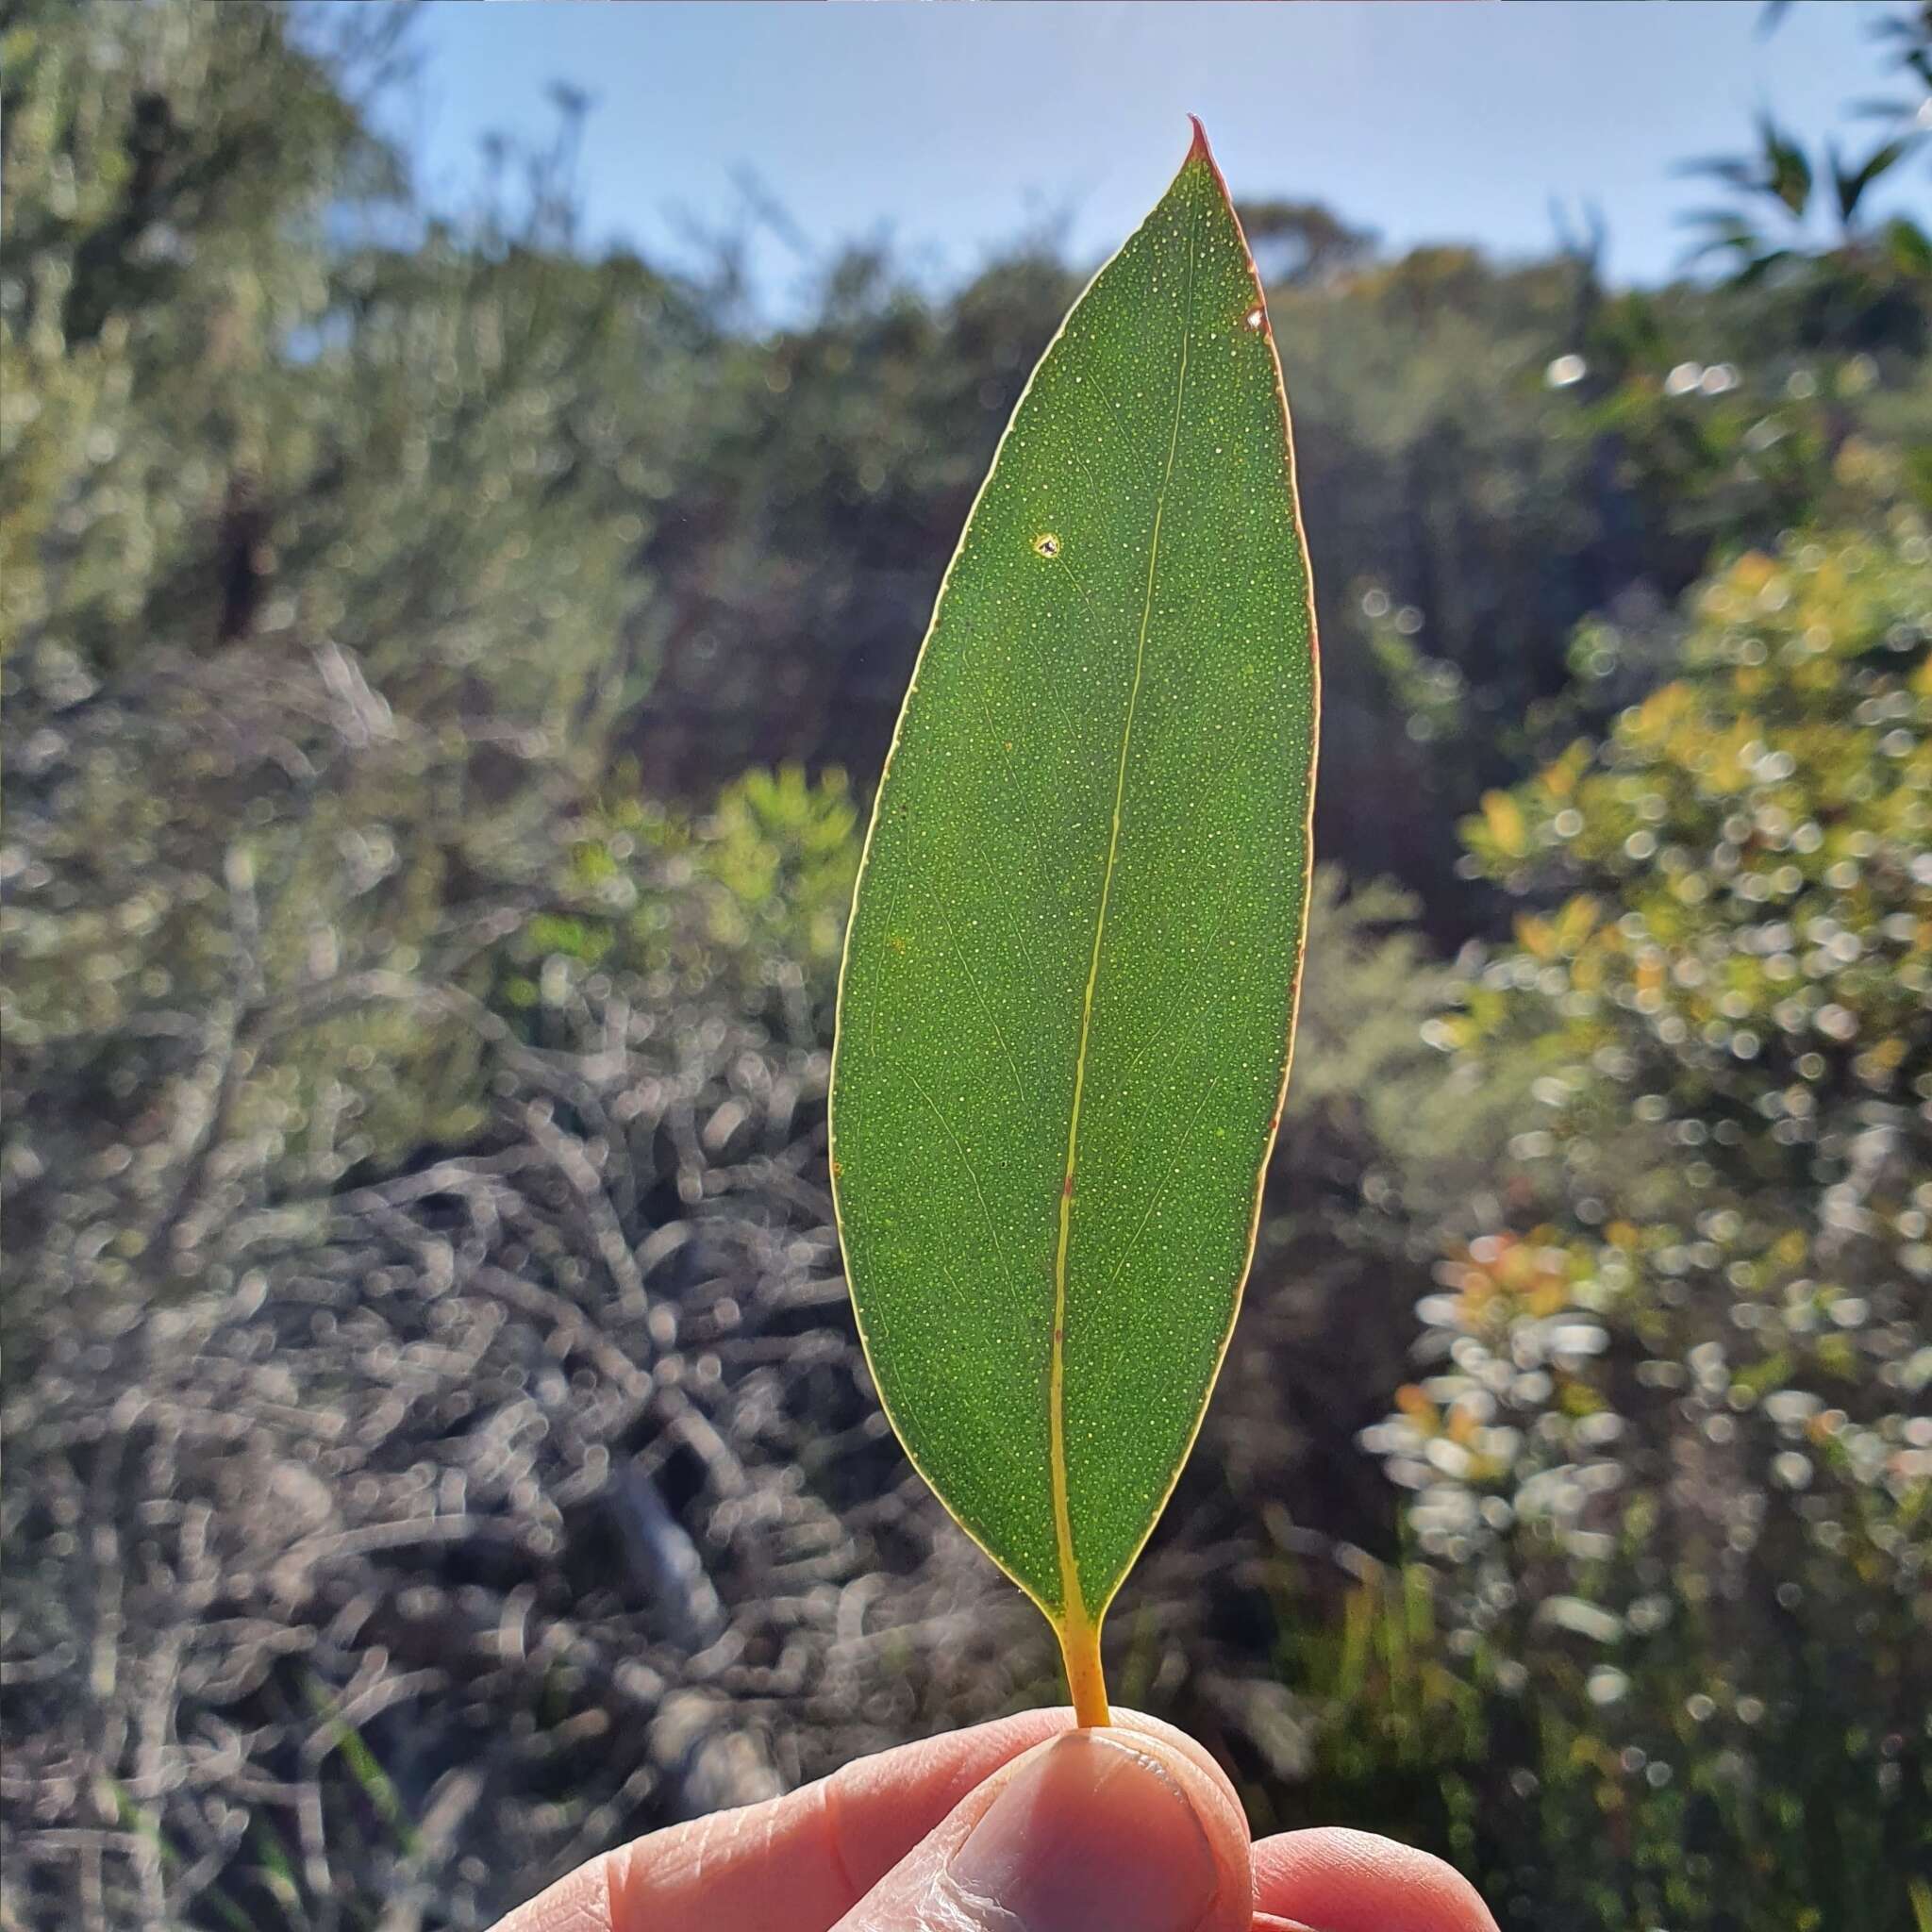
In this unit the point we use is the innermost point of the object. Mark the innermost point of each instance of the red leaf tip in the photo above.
(1199, 150)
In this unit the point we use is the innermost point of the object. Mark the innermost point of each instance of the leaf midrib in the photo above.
(1074, 1604)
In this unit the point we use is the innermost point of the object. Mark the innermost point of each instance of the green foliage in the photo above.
(1488, 457)
(316, 609)
(1675, 1455)
(158, 255)
(836, 463)
(746, 901)
(1677, 1800)
(1871, 287)
(1758, 825)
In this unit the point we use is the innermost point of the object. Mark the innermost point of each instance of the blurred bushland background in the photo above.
(444, 674)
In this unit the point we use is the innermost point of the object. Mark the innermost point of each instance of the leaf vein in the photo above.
(1073, 1606)
(1161, 1193)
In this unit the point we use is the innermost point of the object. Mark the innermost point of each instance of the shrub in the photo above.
(1672, 1468)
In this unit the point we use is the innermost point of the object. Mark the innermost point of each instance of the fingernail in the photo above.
(1091, 1833)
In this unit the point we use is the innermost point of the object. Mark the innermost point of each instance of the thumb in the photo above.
(1112, 1830)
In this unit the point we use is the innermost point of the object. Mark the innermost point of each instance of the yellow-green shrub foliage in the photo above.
(745, 903)
(1676, 1443)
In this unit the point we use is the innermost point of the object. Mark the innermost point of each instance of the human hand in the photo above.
(1023, 1825)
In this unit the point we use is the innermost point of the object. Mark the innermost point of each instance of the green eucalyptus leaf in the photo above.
(1070, 977)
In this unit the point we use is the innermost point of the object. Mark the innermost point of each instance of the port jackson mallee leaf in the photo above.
(1070, 980)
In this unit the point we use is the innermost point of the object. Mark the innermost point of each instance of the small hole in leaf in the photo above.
(1046, 545)
(1253, 317)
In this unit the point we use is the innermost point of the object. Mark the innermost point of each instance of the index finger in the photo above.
(1354, 1881)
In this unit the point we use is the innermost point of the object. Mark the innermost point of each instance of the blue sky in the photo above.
(953, 127)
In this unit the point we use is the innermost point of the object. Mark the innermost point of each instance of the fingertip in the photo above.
(1355, 1881)
(1210, 1794)
(869, 1815)
(1097, 1828)
(1127, 1824)
(1174, 1739)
